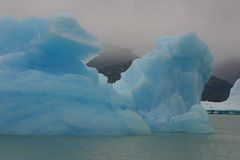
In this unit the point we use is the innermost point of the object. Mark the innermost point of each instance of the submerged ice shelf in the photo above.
(46, 88)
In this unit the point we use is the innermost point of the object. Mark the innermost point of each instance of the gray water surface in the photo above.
(223, 144)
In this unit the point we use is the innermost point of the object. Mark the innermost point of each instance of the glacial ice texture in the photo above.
(46, 88)
(165, 86)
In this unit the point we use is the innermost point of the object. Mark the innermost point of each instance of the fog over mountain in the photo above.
(135, 24)
(111, 55)
(228, 69)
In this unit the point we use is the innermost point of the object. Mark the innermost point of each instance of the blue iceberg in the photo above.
(165, 85)
(46, 88)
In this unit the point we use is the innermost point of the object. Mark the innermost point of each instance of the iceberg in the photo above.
(231, 104)
(165, 85)
(46, 88)
(235, 91)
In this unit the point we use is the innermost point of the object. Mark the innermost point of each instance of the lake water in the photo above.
(223, 144)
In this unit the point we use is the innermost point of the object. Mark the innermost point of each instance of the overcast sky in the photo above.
(137, 23)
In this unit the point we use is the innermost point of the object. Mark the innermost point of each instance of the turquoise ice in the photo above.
(165, 85)
(47, 89)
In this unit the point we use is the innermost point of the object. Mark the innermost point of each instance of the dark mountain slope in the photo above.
(228, 70)
(216, 90)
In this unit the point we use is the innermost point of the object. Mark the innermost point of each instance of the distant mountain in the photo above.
(112, 55)
(228, 70)
(216, 90)
(113, 72)
(115, 60)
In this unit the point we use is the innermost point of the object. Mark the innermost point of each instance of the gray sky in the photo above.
(137, 23)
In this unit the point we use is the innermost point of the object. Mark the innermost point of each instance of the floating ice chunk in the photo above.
(167, 82)
(46, 89)
(231, 104)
